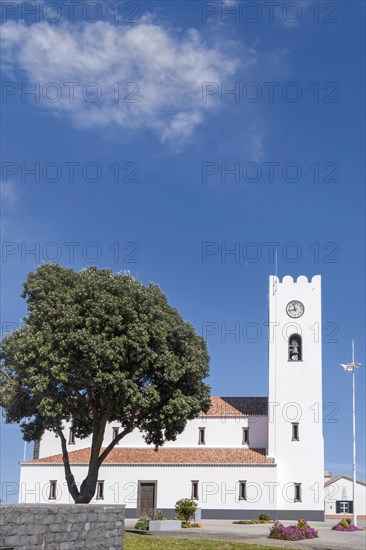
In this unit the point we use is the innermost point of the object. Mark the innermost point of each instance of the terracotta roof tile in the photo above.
(237, 406)
(167, 455)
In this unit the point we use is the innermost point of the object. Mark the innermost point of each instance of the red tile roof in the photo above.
(167, 455)
(237, 406)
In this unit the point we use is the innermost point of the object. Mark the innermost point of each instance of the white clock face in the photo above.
(295, 309)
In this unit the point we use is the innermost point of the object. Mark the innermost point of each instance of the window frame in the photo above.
(295, 431)
(194, 489)
(72, 437)
(52, 494)
(345, 505)
(297, 492)
(342, 504)
(201, 436)
(245, 435)
(115, 433)
(243, 489)
(99, 493)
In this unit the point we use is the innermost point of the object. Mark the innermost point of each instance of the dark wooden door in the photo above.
(147, 500)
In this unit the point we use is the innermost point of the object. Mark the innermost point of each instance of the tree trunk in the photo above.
(70, 480)
(88, 486)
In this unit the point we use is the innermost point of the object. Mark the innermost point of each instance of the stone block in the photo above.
(165, 525)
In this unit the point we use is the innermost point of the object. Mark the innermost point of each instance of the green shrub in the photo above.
(265, 517)
(158, 515)
(142, 524)
(185, 508)
(302, 524)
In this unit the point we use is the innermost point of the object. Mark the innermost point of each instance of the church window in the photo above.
(53, 490)
(194, 492)
(201, 436)
(71, 437)
(242, 490)
(297, 496)
(115, 432)
(37, 447)
(100, 490)
(295, 348)
(245, 440)
(295, 431)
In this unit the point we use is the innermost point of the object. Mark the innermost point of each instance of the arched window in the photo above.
(295, 348)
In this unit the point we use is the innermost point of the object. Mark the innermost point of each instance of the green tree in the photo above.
(185, 508)
(98, 347)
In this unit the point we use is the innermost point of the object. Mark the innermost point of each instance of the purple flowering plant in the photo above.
(293, 532)
(345, 525)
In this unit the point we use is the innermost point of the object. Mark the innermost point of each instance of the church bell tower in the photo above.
(295, 431)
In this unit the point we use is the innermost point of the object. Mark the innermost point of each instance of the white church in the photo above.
(246, 456)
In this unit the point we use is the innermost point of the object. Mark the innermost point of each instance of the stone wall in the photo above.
(61, 526)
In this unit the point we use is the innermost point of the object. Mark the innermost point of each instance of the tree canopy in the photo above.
(97, 347)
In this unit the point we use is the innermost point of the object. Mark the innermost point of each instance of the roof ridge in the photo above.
(336, 478)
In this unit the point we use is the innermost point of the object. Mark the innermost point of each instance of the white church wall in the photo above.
(219, 432)
(218, 485)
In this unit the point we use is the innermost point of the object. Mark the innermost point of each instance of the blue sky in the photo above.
(160, 153)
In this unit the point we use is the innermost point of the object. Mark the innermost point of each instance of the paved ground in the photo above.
(257, 534)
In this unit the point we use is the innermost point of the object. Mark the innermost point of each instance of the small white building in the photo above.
(246, 456)
(338, 497)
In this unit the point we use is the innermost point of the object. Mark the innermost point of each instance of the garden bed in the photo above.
(345, 525)
(252, 521)
(300, 531)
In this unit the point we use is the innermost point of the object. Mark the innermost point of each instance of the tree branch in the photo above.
(114, 442)
(97, 438)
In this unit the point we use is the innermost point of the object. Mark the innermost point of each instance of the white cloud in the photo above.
(8, 204)
(167, 68)
(7, 193)
(256, 145)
